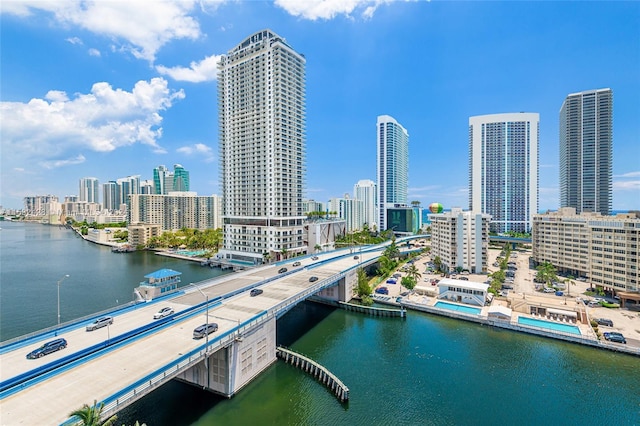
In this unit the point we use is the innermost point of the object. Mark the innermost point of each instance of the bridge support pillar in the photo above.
(343, 291)
(230, 368)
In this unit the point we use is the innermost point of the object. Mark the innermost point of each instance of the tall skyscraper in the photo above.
(261, 107)
(89, 190)
(110, 196)
(180, 179)
(365, 191)
(162, 180)
(503, 169)
(392, 166)
(586, 157)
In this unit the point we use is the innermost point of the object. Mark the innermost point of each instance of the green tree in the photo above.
(414, 274)
(363, 288)
(317, 247)
(546, 273)
(392, 251)
(408, 282)
(91, 415)
(438, 263)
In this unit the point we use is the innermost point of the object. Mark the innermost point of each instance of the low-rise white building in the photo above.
(470, 292)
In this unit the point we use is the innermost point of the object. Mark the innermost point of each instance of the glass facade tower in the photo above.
(586, 157)
(503, 169)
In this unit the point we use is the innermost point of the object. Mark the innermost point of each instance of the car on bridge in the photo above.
(313, 279)
(282, 270)
(356, 257)
(296, 264)
(256, 292)
(47, 348)
(205, 330)
(314, 258)
(164, 312)
(99, 323)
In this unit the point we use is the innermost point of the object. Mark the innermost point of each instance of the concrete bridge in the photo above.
(123, 362)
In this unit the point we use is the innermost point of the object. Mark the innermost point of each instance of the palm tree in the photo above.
(438, 262)
(546, 273)
(90, 416)
(317, 247)
(284, 252)
(414, 273)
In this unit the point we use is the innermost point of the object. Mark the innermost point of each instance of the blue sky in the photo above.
(113, 88)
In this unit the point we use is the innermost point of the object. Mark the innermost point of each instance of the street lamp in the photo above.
(60, 281)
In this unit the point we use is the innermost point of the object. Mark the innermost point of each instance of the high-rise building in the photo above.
(126, 187)
(261, 107)
(392, 166)
(365, 191)
(162, 180)
(175, 211)
(503, 169)
(586, 157)
(180, 178)
(89, 190)
(461, 239)
(350, 210)
(110, 198)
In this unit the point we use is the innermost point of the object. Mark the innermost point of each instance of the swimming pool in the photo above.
(191, 253)
(565, 328)
(459, 308)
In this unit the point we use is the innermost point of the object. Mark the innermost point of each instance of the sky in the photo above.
(109, 89)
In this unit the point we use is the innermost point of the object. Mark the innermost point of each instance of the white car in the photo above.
(166, 311)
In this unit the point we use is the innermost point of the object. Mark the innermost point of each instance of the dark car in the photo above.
(382, 290)
(314, 258)
(615, 337)
(256, 292)
(204, 330)
(99, 323)
(507, 287)
(313, 279)
(296, 263)
(356, 257)
(47, 348)
(604, 321)
(282, 270)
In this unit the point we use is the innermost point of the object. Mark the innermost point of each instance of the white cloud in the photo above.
(94, 52)
(54, 164)
(74, 40)
(144, 26)
(44, 130)
(328, 9)
(199, 149)
(627, 185)
(628, 175)
(205, 70)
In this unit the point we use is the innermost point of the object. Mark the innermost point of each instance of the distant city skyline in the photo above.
(81, 98)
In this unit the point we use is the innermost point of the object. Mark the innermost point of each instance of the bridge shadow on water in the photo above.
(177, 403)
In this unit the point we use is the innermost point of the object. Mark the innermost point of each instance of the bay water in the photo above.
(422, 370)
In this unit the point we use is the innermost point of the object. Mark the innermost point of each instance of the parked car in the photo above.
(604, 321)
(391, 281)
(296, 264)
(507, 287)
(615, 337)
(593, 304)
(464, 278)
(313, 279)
(282, 270)
(396, 275)
(47, 348)
(99, 323)
(314, 258)
(382, 290)
(204, 330)
(166, 311)
(549, 290)
(256, 292)
(559, 293)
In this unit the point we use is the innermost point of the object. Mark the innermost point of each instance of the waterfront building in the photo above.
(460, 291)
(102, 217)
(175, 211)
(261, 110)
(350, 210)
(127, 186)
(158, 283)
(602, 248)
(586, 153)
(392, 166)
(503, 169)
(40, 205)
(365, 191)
(460, 239)
(140, 234)
(89, 190)
(78, 210)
